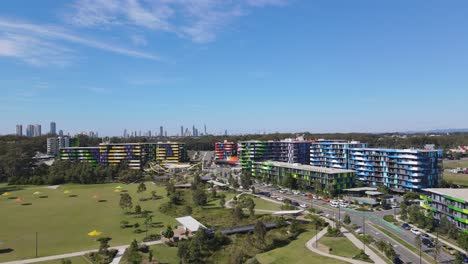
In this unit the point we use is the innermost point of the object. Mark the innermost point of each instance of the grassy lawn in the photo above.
(295, 252)
(74, 260)
(341, 246)
(461, 179)
(265, 205)
(161, 254)
(63, 222)
(452, 164)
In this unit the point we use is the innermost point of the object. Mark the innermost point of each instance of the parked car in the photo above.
(303, 205)
(334, 203)
(344, 205)
(280, 199)
(449, 250)
(406, 226)
(427, 242)
(395, 205)
(415, 231)
(424, 235)
(295, 203)
(465, 258)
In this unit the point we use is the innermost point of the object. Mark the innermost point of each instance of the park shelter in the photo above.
(190, 224)
(289, 212)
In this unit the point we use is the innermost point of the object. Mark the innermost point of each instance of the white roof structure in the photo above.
(372, 193)
(190, 223)
(291, 212)
(461, 193)
(361, 189)
(217, 183)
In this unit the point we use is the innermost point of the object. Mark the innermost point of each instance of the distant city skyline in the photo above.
(247, 66)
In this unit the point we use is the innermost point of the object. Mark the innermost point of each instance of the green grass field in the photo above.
(341, 246)
(74, 260)
(452, 164)
(265, 205)
(63, 222)
(295, 252)
(461, 179)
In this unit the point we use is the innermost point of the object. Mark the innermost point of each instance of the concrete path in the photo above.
(77, 254)
(310, 245)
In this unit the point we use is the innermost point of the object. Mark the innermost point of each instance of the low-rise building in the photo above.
(452, 203)
(328, 180)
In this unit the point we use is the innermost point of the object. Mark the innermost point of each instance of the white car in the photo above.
(415, 231)
(344, 205)
(280, 199)
(303, 205)
(334, 203)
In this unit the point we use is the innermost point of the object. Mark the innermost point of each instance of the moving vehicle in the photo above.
(334, 203)
(343, 204)
(406, 226)
(415, 231)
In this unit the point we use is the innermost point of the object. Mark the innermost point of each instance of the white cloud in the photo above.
(199, 20)
(35, 44)
(34, 51)
(138, 40)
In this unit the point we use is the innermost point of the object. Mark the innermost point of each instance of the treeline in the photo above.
(76, 172)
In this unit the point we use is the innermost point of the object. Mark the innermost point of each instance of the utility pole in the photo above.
(364, 230)
(316, 234)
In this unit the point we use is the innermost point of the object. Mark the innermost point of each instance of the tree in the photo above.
(294, 227)
(458, 258)
(125, 201)
(237, 213)
(462, 240)
(134, 256)
(437, 247)
(199, 196)
(104, 245)
(259, 235)
(249, 204)
(214, 194)
(347, 219)
(417, 242)
(148, 222)
(137, 209)
(154, 196)
(168, 233)
(141, 187)
(222, 200)
(150, 255)
(170, 188)
(183, 251)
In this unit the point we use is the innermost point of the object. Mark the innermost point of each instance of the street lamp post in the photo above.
(364, 229)
(36, 244)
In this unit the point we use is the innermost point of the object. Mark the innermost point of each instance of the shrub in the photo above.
(389, 218)
(362, 256)
(152, 237)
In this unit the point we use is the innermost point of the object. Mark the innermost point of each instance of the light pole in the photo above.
(364, 230)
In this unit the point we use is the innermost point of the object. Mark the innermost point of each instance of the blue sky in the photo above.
(247, 65)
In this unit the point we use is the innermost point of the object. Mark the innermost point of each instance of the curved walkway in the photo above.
(358, 243)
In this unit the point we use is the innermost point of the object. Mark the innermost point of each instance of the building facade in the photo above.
(451, 203)
(398, 169)
(289, 151)
(19, 130)
(224, 150)
(134, 155)
(81, 154)
(54, 144)
(328, 180)
(332, 153)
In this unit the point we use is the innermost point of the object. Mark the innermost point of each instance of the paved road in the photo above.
(371, 217)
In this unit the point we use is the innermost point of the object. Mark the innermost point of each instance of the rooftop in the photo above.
(190, 223)
(361, 189)
(305, 167)
(411, 150)
(457, 193)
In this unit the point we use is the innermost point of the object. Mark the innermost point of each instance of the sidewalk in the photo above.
(310, 246)
(433, 236)
(77, 254)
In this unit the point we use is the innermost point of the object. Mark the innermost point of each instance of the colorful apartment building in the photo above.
(81, 154)
(289, 151)
(398, 169)
(328, 180)
(332, 153)
(134, 155)
(451, 203)
(224, 150)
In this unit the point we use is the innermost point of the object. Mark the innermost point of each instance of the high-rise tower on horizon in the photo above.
(53, 128)
(161, 131)
(19, 130)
